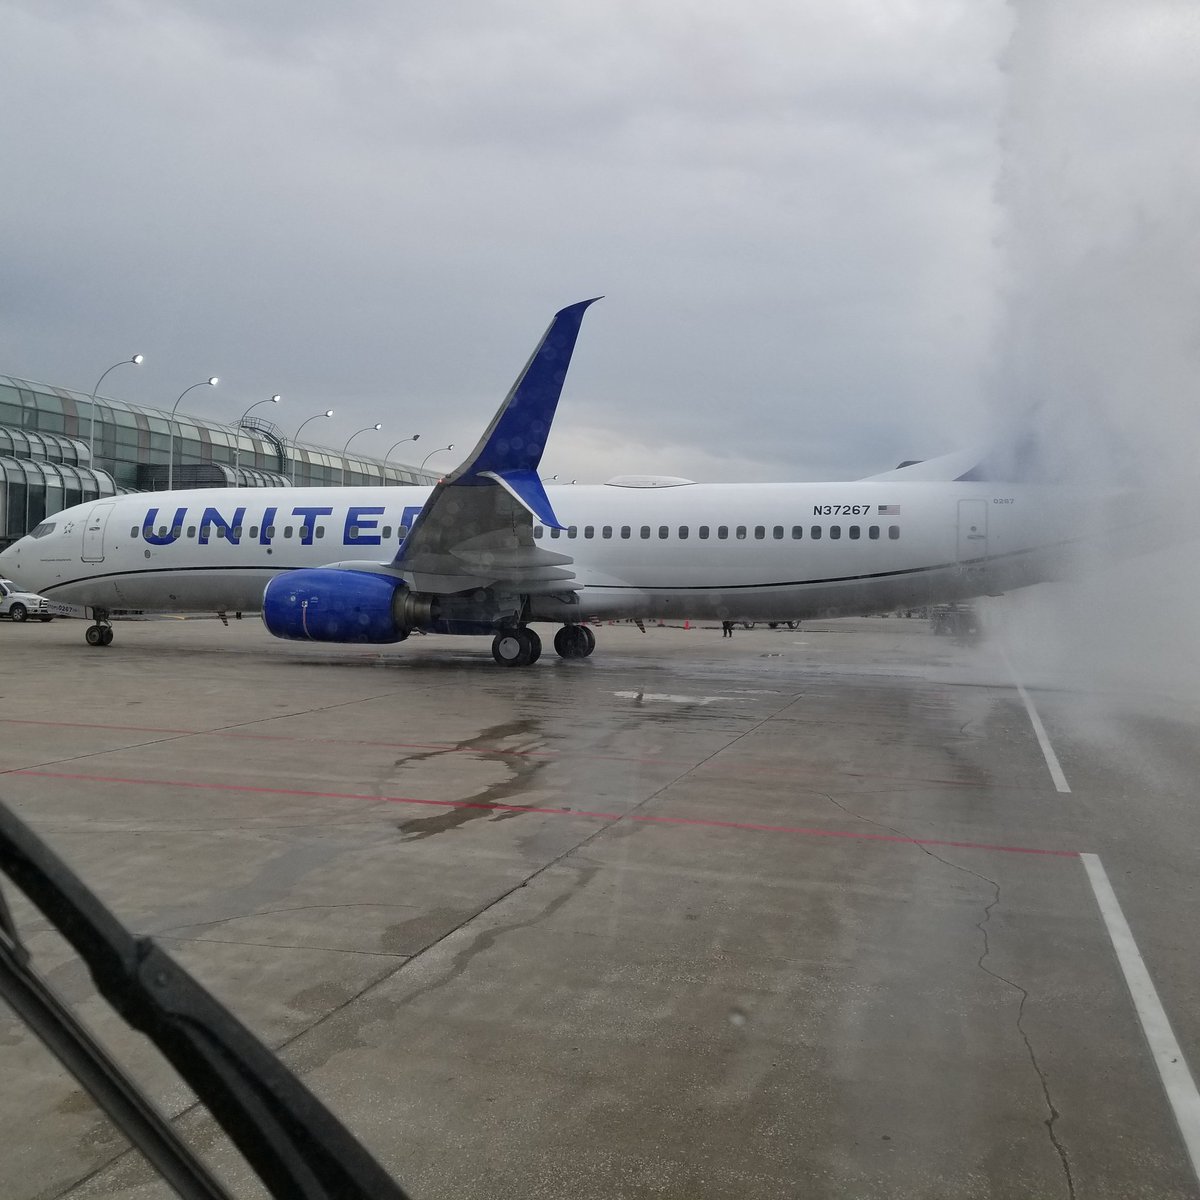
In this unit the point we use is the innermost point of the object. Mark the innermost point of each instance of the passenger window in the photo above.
(777, 533)
(815, 533)
(132, 533)
(402, 531)
(555, 533)
(385, 534)
(664, 532)
(320, 531)
(606, 532)
(760, 532)
(741, 532)
(626, 532)
(237, 531)
(835, 532)
(572, 531)
(683, 532)
(645, 531)
(589, 531)
(287, 531)
(162, 531)
(270, 531)
(702, 533)
(855, 533)
(353, 531)
(254, 531)
(894, 532)
(538, 531)
(722, 532)
(873, 533)
(797, 532)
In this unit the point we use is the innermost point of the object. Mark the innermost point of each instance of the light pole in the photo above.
(136, 360)
(415, 437)
(316, 416)
(212, 381)
(237, 442)
(327, 413)
(433, 452)
(366, 429)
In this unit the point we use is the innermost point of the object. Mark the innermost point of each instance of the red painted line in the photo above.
(499, 751)
(641, 818)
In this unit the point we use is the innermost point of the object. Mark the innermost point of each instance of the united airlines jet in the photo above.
(489, 551)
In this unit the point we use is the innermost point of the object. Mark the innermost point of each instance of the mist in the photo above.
(1098, 357)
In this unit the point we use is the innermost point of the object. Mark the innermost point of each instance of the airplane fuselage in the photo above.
(736, 551)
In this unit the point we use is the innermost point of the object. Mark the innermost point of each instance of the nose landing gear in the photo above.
(101, 633)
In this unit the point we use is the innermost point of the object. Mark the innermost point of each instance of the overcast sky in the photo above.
(791, 208)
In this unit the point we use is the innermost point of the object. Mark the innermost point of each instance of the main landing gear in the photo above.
(100, 634)
(521, 647)
(574, 641)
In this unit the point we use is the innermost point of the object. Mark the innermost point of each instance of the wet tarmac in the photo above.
(796, 913)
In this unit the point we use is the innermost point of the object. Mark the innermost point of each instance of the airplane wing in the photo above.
(476, 529)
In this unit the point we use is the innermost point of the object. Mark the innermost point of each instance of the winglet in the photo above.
(515, 439)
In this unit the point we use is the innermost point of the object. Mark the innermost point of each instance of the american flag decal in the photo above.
(889, 510)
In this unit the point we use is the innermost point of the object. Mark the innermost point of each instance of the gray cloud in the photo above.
(789, 208)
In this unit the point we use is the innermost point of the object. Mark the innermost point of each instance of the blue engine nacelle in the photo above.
(326, 604)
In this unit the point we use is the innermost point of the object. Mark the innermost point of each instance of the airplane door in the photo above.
(93, 533)
(972, 533)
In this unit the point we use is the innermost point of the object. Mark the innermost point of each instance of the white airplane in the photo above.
(489, 551)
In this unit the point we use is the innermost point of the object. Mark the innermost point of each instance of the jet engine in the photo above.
(325, 604)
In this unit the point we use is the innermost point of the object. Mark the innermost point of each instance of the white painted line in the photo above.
(1172, 1067)
(1056, 771)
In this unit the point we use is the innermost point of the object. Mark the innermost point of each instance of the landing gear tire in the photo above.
(18, 613)
(98, 635)
(574, 641)
(516, 647)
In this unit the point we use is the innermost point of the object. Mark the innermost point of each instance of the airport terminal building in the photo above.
(56, 451)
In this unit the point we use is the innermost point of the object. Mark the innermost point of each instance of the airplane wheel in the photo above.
(793, 624)
(574, 641)
(747, 624)
(516, 647)
(590, 639)
(106, 635)
(18, 612)
(94, 635)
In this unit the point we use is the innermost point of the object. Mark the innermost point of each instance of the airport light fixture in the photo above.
(415, 438)
(365, 429)
(549, 478)
(136, 361)
(315, 417)
(211, 381)
(433, 452)
(237, 437)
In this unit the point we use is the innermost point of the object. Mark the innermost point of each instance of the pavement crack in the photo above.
(982, 925)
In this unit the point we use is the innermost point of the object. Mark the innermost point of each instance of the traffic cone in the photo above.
(686, 623)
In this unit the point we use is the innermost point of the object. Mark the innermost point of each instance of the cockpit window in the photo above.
(40, 531)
